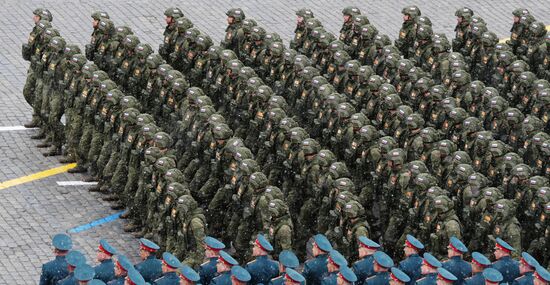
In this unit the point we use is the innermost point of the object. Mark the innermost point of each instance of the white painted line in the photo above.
(75, 183)
(14, 128)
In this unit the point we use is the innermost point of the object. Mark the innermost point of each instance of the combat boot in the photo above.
(38, 136)
(131, 227)
(78, 169)
(53, 151)
(67, 159)
(43, 145)
(32, 124)
(110, 197)
(118, 206)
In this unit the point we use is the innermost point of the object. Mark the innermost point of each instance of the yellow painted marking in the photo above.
(505, 39)
(36, 176)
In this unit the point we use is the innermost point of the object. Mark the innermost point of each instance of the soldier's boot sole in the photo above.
(38, 136)
(112, 197)
(90, 178)
(43, 145)
(78, 169)
(31, 124)
(139, 234)
(118, 206)
(104, 189)
(125, 215)
(67, 159)
(52, 152)
(131, 227)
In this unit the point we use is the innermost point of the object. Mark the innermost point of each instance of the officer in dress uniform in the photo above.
(188, 276)
(212, 248)
(150, 267)
(122, 266)
(74, 258)
(170, 265)
(382, 264)
(84, 273)
(492, 276)
(479, 263)
(411, 265)
(56, 269)
(346, 276)
(335, 261)
(430, 264)
(364, 267)
(455, 264)
(292, 277)
(105, 270)
(504, 263)
(240, 276)
(287, 259)
(223, 268)
(527, 266)
(315, 268)
(262, 269)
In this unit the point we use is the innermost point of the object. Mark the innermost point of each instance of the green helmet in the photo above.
(498, 104)
(274, 192)
(461, 77)
(57, 44)
(278, 208)
(498, 148)
(276, 49)
(257, 181)
(78, 61)
(191, 35)
(369, 133)
(412, 11)
(151, 154)
(489, 39)
(354, 209)
(106, 26)
(43, 25)
(144, 119)
(531, 124)
(338, 169)
(163, 69)
(305, 13)
(309, 72)
(545, 147)
(164, 163)
(472, 125)
(358, 120)
(461, 157)
(44, 14)
(236, 13)
(392, 101)
(441, 44)
(404, 66)
(114, 96)
(107, 85)
(386, 144)
(369, 32)
(341, 57)
(537, 29)
(71, 50)
(148, 131)
(352, 67)
(248, 166)
(97, 15)
(214, 52)
(351, 11)
(183, 24)
(222, 132)
(344, 184)
(446, 147)
(415, 121)
(443, 204)
(173, 12)
(504, 209)
(417, 167)
(163, 140)
(520, 12)
(465, 12)
(154, 60)
(436, 191)
(458, 115)
(178, 189)
(429, 135)
(173, 175)
(522, 171)
(287, 123)
(424, 33)
(227, 55)
(129, 115)
(297, 135)
(437, 92)
(325, 158)
(514, 116)
(235, 66)
(337, 45)
(310, 146)
(277, 102)
(359, 21)
(424, 181)
(364, 73)
(345, 110)
(512, 159)
(397, 156)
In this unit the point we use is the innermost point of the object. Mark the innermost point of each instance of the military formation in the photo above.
(348, 135)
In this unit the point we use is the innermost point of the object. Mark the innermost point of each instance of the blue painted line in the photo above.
(95, 223)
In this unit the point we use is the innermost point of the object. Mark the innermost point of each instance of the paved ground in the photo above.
(31, 213)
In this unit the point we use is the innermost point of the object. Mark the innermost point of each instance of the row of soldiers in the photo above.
(269, 140)
(326, 266)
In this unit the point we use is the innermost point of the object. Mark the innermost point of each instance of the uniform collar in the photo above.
(456, 258)
(151, 257)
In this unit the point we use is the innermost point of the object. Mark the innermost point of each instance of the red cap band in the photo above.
(104, 250)
(144, 247)
(445, 279)
(427, 263)
(411, 245)
(503, 248)
(395, 278)
(164, 262)
(260, 245)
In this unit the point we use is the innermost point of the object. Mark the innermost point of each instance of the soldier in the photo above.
(479, 263)
(456, 265)
(150, 267)
(423, 47)
(105, 271)
(122, 266)
(302, 16)
(41, 18)
(191, 231)
(335, 261)
(281, 228)
(527, 266)
(170, 32)
(429, 267)
(445, 277)
(446, 224)
(74, 259)
(233, 32)
(188, 276)
(464, 17)
(262, 268)
(314, 269)
(364, 267)
(504, 263)
(542, 276)
(56, 270)
(170, 265)
(412, 263)
(91, 48)
(212, 248)
(407, 35)
(517, 29)
(382, 264)
(223, 269)
(287, 260)
(346, 32)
